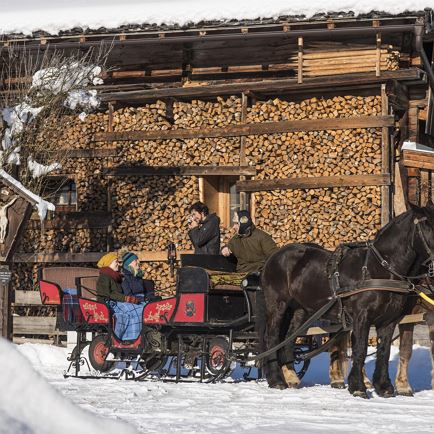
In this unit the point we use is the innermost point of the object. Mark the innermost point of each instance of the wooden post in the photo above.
(109, 210)
(385, 160)
(110, 117)
(201, 189)
(300, 60)
(243, 162)
(399, 197)
(424, 187)
(378, 57)
(5, 302)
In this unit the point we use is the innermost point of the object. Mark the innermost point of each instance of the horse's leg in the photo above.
(359, 339)
(405, 350)
(430, 322)
(339, 362)
(383, 385)
(366, 380)
(286, 355)
(275, 317)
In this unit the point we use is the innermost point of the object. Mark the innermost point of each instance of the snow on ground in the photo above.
(234, 407)
(28, 404)
(53, 16)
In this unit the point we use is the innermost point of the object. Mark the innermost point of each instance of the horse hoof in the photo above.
(387, 394)
(338, 385)
(404, 393)
(278, 386)
(360, 394)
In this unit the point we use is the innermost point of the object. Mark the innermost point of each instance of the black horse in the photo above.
(296, 285)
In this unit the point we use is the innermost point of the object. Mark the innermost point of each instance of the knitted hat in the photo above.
(107, 259)
(127, 258)
(245, 222)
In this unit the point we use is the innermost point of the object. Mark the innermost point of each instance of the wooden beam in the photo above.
(91, 153)
(267, 86)
(427, 157)
(24, 298)
(385, 160)
(180, 171)
(399, 197)
(252, 129)
(418, 159)
(34, 325)
(313, 182)
(77, 219)
(243, 140)
(64, 258)
(413, 318)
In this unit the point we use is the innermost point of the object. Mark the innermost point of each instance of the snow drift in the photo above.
(28, 404)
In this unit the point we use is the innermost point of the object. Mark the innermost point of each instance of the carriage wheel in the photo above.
(154, 363)
(301, 365)
(217, 360)
(98, 351)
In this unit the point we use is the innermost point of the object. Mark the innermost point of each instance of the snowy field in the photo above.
(48, 403)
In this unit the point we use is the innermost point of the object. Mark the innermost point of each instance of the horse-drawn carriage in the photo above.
(200, 332)
(204, 328)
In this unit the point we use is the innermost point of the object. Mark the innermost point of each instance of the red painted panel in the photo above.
(50, 292)
(94, 312)
(116, 343)
(159, 312)
(191, 308)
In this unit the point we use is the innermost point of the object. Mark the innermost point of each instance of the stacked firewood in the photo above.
(328, 215)
(150, 211)
(342, 61)
(73, 240)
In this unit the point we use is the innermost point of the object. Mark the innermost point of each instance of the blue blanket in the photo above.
(71, 308)
(128, 323)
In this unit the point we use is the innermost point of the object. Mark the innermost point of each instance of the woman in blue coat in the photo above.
(133, 282)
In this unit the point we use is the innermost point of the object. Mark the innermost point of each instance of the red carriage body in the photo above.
(189, 323)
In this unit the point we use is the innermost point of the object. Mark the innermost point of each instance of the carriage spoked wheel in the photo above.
(154, 363)
(217, 359)
(98, 351)
(301, 365)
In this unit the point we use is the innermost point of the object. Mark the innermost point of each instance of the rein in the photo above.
(430, 260)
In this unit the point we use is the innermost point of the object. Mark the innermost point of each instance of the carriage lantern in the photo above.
(171, 257)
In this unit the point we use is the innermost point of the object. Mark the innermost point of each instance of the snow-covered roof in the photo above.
(54, 16)
(42, 205)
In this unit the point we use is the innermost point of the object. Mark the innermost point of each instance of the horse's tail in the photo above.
(260, 322)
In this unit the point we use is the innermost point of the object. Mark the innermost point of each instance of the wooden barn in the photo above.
(323, 128)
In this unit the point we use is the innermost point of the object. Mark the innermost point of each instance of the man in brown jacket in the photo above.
(250, 245)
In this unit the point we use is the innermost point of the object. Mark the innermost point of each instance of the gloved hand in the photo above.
(131, 299)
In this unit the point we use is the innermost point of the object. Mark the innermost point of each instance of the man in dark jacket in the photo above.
(250, 245)
(204, 230)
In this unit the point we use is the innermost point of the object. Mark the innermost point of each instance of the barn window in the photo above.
(62, 191)
(219, 193)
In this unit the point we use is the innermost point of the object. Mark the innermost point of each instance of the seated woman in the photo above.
(128, 309)
(133, 282)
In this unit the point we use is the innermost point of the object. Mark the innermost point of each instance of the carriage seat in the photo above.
(58, 287)
(201, 280)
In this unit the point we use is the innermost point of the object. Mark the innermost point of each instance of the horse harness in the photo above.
(404, 283)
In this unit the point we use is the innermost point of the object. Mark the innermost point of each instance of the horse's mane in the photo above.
(394, 221)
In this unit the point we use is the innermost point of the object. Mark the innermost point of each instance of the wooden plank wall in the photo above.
(24, 326)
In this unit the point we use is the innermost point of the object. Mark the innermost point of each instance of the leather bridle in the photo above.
(429, 262)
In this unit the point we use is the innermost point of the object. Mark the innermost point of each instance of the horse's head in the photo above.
(423, 235)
